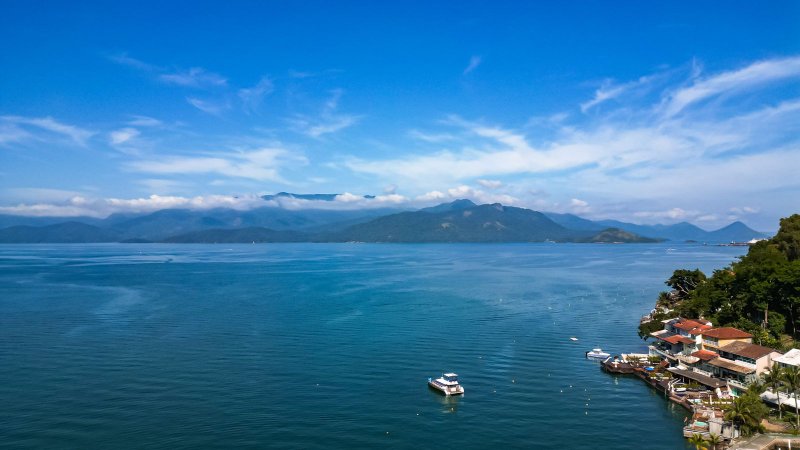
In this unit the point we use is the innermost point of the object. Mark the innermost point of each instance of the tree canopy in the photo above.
(760, 293)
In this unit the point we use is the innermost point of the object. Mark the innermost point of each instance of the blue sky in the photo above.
(653, 113)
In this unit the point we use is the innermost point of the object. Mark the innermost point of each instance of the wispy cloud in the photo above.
(102, 207)
(328, 121)
(491, 184)
(658, 139)
(730, 82)
(431, 137)
(144, 121)
(125, 60)
(123, 135)
(261, 164)
(474, 62)
(196, 77)
(18, 128)
(207, 106)
(253, 96)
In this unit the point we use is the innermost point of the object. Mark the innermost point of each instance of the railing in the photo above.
(737, 384)
(702, 372)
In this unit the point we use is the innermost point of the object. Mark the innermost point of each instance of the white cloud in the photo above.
(163, 186)
(466, 192)
(431, 137)
(253, 96)
(145, 121)
(196, 77)
(673, 214)
(260, 164)
(123, 135)
(474, 62)
(18, 128)
(328, 121)
(102, 207)
(610, 90)
(579, 206)
(606, 92)
(126, 60)
(208, 107)
(40, 194)
(491, 184)
(755, 74)
(432, 195)
(11, 133)
(711, 154)
(332, 125)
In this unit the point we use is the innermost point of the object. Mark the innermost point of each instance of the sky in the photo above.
(651, 112)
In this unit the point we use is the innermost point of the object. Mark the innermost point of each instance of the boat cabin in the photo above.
(450, 377)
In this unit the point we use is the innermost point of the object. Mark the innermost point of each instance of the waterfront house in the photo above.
(741, 363)
(790, 358)
(715, 338)
(679, 338)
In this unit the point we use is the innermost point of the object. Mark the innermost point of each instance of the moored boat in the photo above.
(597, 353)
(446, 384)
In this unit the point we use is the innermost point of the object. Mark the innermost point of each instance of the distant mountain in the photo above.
(457, 221)
(172, 222)
(166, 222)
(8, 220)
(573, 222)
(456, 205)
(484, 223)
(67, 232)
(241, 235)
(615, 235)
(737, 231)
(321, 197)
(682, 231)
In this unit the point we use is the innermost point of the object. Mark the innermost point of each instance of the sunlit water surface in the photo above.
(330, 346)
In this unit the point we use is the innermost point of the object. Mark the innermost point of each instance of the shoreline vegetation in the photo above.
(725, 346)
(759, 294)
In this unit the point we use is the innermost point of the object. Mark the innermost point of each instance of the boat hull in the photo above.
(446, 390)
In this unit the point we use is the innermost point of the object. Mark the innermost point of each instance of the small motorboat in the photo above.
(597, 353)
(573, 338)
(446, 384)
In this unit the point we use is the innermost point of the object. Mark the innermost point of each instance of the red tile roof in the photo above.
(692, 326)
(678, 339)
(705, 355)
(727, 333)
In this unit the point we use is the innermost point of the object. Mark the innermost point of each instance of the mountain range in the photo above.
(457, 221)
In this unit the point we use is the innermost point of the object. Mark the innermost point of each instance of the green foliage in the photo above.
(747, 412)
(698, 441)
(760, 293)
(685, 281)
(714, 441)
(788, 237)
(774, 381)
(791, 379)
(645, 328)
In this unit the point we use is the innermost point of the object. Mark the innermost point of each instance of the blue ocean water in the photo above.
(330, 345)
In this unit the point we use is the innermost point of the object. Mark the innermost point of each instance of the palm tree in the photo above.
(747, 412)
(698, 441)
(713, 440)
(774, 379)
(791, 376)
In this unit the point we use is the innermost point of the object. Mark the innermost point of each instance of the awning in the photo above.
(700, 378)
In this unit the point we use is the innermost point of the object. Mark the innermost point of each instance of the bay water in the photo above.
(331, 345)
